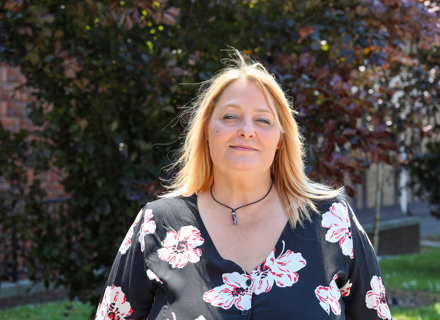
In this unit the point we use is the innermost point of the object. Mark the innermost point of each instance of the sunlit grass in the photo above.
(425, 313)
(419, 271)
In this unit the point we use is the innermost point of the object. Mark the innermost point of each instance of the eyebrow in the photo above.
(235, 106)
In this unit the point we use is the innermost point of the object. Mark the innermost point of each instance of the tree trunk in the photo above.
(378, 204)
(403, 183)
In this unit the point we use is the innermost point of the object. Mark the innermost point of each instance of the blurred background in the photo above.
(92, 95)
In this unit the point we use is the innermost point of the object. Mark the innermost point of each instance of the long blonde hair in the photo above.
(296, 191)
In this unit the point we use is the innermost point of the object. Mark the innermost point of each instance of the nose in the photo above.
(247, 129)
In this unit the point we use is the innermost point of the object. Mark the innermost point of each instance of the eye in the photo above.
(263, 120)
(230, 116)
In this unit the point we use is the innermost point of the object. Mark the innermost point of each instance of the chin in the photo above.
(244, 166)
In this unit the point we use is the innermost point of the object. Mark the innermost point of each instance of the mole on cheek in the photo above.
(217, 131)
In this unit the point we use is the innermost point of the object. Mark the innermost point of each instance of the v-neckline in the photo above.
(207, 236)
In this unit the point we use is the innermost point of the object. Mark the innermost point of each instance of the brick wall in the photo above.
(400, 240)
(13, 113)
(397, 236)
(14, 116)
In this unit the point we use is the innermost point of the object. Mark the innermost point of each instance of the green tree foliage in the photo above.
(113, 76)
(104, 95)
(425, 170)
(17, 197)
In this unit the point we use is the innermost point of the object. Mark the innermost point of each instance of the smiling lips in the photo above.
(243, 148)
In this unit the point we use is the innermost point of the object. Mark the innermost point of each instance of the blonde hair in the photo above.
(296, 191)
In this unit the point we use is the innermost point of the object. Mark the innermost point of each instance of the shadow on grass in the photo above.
(50, 311)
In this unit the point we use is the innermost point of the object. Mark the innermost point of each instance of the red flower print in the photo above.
(376, 298)
(329, 297)
(127, 240)
(236, 290)
(152, 276)
(345, 290)
(148, 227)
(180, 248)
(114, 306)
(338, 221)
(281, 270)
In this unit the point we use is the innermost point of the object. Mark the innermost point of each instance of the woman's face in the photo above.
(243, 132)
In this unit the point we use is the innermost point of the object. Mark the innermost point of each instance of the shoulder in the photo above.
(325, 205)
(166, 203)
(175, 208)
(336, 211)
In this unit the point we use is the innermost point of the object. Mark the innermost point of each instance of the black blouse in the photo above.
(168, 268)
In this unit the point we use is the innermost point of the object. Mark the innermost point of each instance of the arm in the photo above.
(129, 293)
(364, 293)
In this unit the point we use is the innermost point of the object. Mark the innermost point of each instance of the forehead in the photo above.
(242, 93)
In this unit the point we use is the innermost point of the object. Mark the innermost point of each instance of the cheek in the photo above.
(210, 130)
(215, 136)
(213, 131)
(273, 141)
(217, 131)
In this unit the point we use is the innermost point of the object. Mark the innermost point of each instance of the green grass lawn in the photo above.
(419, 271)
(425, 313)
(416, 272)
(50, 311)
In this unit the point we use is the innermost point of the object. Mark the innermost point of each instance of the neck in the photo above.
(238, 191)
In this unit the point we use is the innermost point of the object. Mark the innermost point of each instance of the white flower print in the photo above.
(376, 298)
(329, 297)
(152, 276)
(359, 226)
(345, 290)
(281, 270)
(338, 221)
(148, 227)
(127, 240)
(236, 290)
(180, 248)
(114, 305)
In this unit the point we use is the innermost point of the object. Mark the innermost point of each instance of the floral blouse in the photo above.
(168, 268)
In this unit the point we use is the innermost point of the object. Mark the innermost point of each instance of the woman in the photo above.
(243, 233)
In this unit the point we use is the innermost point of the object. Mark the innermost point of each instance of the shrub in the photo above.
(108, 77)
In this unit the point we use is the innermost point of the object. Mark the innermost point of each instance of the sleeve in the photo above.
(364, 292)
(128, 293)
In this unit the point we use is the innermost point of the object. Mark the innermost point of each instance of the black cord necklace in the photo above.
(234, 218)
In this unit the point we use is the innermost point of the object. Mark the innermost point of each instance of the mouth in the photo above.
(243, 148)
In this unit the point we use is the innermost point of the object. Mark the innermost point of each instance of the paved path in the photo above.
(429, 243)
(429, 226)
